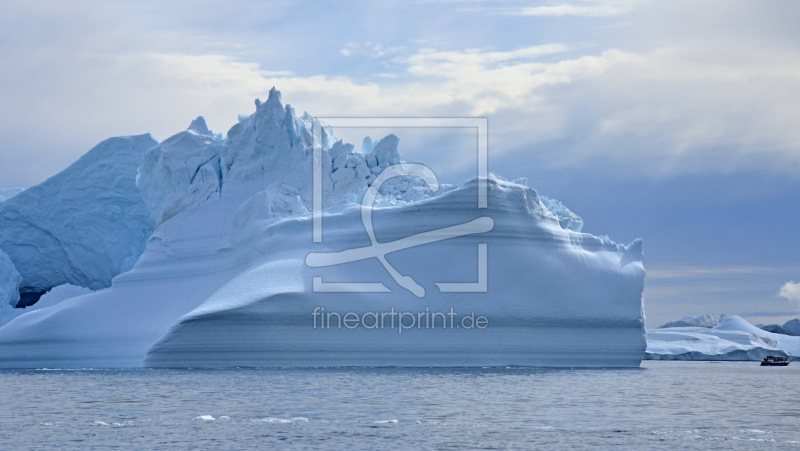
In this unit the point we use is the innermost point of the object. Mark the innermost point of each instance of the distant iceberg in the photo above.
(207, 247)
(707, 320)
(791, 327)
(732, 339)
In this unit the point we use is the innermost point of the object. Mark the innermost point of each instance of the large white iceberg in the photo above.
(732, 339)
(231, 275)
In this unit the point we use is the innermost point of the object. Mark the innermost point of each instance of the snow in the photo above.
(82, 226)
(732, 339)
(223, 280)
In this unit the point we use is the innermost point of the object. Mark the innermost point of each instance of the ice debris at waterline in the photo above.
(228, 272)
(732, 339)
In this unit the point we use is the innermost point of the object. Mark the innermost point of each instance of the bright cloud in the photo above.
(370, 49)
(790, 291)
(586, 8)
(691, 104)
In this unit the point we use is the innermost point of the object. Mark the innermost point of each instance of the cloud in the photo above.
(680, 109)
(672, 111)
(668, 108)
(586, 8)
(790, 291)
(428, 61)
(769, 314)
(687, 108)
(370, 49)
(706, 272)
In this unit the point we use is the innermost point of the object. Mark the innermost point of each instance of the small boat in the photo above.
(772, 360)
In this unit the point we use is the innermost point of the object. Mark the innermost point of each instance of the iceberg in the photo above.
(707, 320)
(732, 339)
(10, 279)
(52, 297)
(84, 225)
(8, 193)
(791, 327)
(406, 271)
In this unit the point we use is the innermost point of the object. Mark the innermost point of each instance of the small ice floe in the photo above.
(205, 418)
(281, 420)
(119, 424)
(753, 439)
(754, 431)
(385, 422)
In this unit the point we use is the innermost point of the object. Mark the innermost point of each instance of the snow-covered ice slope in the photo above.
(227, 277)
(732, 339)
(82, 226)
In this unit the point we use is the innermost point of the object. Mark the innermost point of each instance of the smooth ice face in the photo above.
(82, 226)
(732, 339)
(56, 295)
(553, 296)
(224, 279)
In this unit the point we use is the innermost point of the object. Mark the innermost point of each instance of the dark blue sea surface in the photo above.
(663, 405)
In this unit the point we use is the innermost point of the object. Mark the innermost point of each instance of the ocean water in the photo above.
(663, 405)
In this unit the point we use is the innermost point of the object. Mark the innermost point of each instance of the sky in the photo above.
(676, 122)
